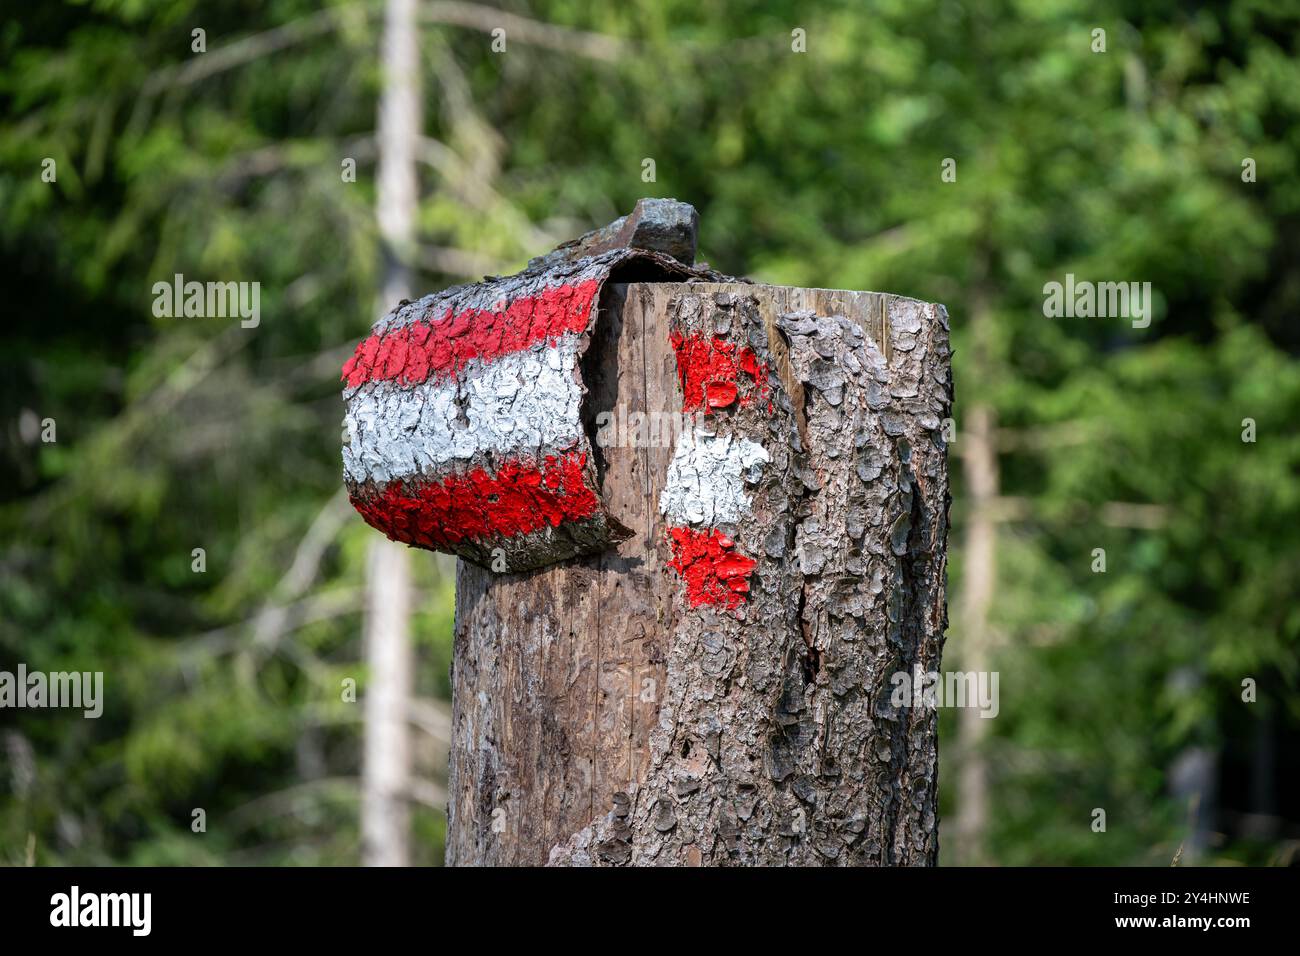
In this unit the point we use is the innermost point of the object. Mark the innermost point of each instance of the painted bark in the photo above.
(716, 689)
(464, 414)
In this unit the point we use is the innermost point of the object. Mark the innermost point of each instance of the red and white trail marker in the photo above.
(464, 415)
(706, 495)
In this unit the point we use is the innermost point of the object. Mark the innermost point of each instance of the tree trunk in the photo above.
(720, 688)
(386, 760)
(398, 139)
(386, 763)
(979, 582)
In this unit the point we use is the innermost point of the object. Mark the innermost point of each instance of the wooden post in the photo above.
(719, 687)
(702, 529)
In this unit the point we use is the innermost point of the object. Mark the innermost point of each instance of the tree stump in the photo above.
(715, 687)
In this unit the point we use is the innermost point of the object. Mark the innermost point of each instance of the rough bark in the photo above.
(659, 225)
(624, 708)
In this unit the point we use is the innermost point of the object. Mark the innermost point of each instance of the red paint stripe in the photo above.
(714, 374)
(713, 572)
(521, 497)
(441, 347)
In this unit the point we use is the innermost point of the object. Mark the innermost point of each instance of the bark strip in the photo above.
(468, 402)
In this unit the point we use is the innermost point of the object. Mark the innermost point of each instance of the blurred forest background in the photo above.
(1120, 690)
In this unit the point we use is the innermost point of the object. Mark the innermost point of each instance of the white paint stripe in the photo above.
(514, 404)
(707, 477)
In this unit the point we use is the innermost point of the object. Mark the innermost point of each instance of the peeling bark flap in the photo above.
(464, 430)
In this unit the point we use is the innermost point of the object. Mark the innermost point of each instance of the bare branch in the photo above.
(306, 564)
(1124, 514)
(1113, 514)
(458, 262)
(428, 793)
(431, 716)
(252, 47)
(290, 800)
(476, 16)
(319, 607)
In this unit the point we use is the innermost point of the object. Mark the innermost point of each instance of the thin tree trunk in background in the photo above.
(386, 764)
(398, 141)
(979, 582)
(1193, 784)
(978, 442)
(600, 718)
